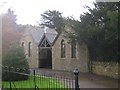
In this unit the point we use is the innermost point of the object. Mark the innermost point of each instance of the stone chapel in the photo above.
(45, 48)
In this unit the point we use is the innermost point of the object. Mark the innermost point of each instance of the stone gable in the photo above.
(68, 63)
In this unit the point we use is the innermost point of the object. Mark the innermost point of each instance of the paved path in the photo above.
(86, 80)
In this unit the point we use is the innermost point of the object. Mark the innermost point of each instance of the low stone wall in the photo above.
(109, 69)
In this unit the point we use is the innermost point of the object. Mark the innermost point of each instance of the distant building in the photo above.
(45, 49)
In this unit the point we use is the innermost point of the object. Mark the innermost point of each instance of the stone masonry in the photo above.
(68, 63)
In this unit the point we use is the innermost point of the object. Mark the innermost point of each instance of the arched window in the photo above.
(73, 50)
(29, 49)
(23, 44)
(62, 49)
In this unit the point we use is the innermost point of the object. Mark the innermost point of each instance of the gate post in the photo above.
(76, 73)
(10, 79)
(34, 79)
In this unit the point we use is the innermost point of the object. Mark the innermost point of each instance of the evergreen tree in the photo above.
(16, 62)
(98, 28)
(10, 34)
(53, 19)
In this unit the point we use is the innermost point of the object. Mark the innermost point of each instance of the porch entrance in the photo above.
(45, 53)
(45, 58)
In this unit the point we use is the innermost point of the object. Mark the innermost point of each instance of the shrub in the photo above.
(15, 61)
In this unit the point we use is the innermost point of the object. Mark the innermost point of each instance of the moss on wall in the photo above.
(109, 69)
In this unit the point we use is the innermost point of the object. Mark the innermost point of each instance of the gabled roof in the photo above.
(45, 42)
(38, 32)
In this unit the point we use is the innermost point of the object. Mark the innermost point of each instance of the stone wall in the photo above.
(109, 69)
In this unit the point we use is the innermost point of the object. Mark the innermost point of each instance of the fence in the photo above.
(39, 81)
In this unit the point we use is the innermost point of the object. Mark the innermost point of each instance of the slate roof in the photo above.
(38, 32)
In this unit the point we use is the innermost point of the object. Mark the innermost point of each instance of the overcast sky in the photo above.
(28, 11)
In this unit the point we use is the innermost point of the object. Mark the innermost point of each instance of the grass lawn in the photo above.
(41, 82)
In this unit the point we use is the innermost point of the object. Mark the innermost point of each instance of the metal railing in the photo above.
(41, 81)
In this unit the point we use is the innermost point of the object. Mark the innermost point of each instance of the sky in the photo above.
(29, 11)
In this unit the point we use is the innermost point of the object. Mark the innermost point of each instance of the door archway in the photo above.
(45, 58)
(45, 53)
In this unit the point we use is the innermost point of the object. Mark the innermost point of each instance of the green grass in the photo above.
(41, 82)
